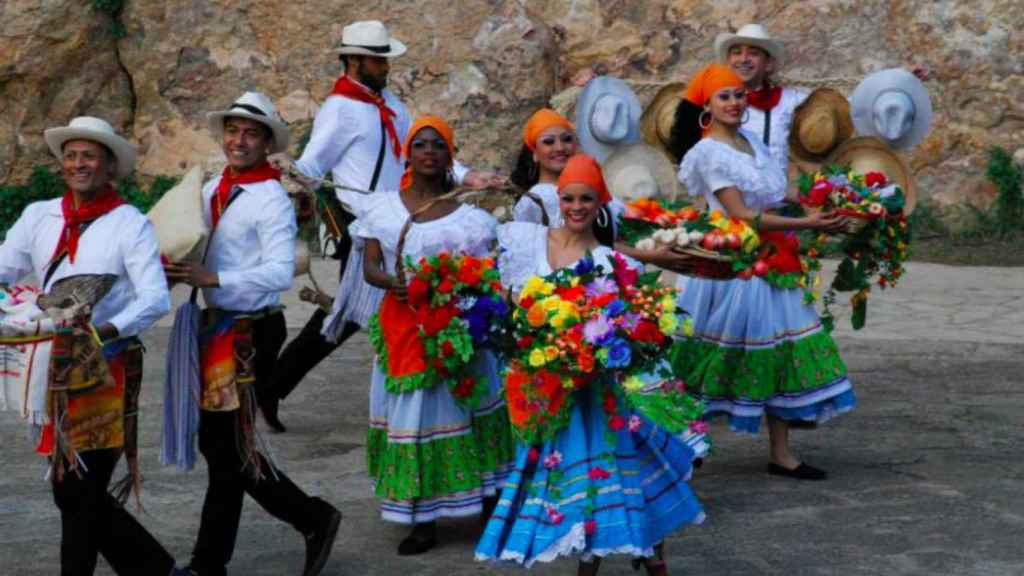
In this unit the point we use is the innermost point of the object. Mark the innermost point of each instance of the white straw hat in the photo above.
(893, 105)
(607, 116)
(750, 35)
(369, 38)
(257, 107)
(95, 130)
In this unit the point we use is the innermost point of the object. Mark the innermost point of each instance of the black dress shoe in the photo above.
(320, 541)
(413, 545)
(269, 409)
(803, 471)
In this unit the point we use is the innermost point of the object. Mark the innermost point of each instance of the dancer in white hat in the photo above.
(92, 231)
(356, 139)
(249, 261)
(755, 57)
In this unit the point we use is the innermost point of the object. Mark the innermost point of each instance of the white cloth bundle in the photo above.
(24, 353)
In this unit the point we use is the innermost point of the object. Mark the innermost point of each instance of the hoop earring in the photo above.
(700, 120)
(746, 116)
(602, 218)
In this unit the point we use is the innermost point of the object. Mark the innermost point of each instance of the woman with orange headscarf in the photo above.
(759, 350)
(595, 488)
(428, 457)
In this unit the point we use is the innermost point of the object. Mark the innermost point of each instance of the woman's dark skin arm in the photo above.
(373, 270)
(664, 257)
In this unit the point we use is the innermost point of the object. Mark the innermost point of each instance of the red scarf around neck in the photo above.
(347, 88)
(105, 201)
(228, 181)
(766, 98)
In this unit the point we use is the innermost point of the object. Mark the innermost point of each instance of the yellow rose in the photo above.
(551, 304)
(537, 358)
(633, 384)
(668, 305)
(668, 324)
(536, 285)
(550, 353)
(688, 327)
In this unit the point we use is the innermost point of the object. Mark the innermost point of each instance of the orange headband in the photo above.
(582, 169)
(540, 121)
(709, 80)
(422, 122)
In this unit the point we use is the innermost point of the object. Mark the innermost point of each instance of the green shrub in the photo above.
(1009, 206)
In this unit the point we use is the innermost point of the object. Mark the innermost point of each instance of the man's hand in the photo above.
(286, 165)
(478, 180)
(107, 332)
(190, 273)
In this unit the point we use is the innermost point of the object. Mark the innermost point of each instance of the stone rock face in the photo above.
(484, 64)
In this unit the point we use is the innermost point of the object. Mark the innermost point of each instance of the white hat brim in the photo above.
(726, 40)
(395, 49)
(863, 99)
(280, 130)
(592, 92)
(123, 151)
(645, 156)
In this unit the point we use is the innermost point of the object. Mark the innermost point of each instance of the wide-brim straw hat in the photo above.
(607, 116)
(257, 107)
(660, 115)
(820, 124)
(369, 38)
(865, 154)
(640, 171)
(883, 100)
(750, 35)
(95, 130)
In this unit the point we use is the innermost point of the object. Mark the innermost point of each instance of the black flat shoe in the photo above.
(320, 541)
(802, 472)
(269, 410)
(411, 545)
(802, 424)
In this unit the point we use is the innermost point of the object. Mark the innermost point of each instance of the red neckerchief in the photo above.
(766, 98)
(228, 181)
(346, 87)
(104, 202)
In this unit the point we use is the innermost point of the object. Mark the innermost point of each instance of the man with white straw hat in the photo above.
(356, 138)
(92, 231)
(755, 56)
(249, 261)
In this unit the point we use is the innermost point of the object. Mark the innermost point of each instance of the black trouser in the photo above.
(309, 348)
(268, 335)
(228, 484)
(92, 522)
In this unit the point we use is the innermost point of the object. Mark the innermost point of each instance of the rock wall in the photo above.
(486, 64)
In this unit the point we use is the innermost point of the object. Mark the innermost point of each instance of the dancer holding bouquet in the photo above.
(439, 440)
(594, 476)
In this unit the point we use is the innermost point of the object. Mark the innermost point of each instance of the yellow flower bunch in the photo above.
(536, 286)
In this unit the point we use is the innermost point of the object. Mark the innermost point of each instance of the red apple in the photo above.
(760, 268)
(745, 274)
(708, 242)
(732, 240)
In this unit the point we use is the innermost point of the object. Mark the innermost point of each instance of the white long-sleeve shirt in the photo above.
(346, 140)
(253, 248)
(121, 242)
(780, 126)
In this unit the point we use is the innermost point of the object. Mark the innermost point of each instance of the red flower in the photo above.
(873, 179)
(647, 331)
(571, 294)
(532, 455)
(818, 194)
(598, 473)
(590, 526)
(526, 303)
(417, 292)
(465, 388)
(433, 320)
(525, 341)
(586, 359)
(446, 286)
(616, 423)
(602, 300)
(447, 349)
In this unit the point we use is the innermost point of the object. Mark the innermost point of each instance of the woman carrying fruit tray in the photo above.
(758, 349)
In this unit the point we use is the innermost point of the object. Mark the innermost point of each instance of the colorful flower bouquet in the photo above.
(577, 324)
(453, 308)
(875, 248)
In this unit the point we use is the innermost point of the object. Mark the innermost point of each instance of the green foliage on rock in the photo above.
(1009, 206)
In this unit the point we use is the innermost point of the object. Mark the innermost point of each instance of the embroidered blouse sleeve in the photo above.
(276, 231)
(16, 250)
(141, 256)
(332, 135)
(517, 257)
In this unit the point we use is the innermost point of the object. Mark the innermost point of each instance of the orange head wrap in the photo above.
(540, 121)
(422, 122)
(709, 80)
(582, 169)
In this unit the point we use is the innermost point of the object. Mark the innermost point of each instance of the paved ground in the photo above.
(927, 475)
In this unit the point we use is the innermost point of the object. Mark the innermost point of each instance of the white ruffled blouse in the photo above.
(711, 166)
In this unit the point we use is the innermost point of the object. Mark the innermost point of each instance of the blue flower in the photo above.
(619, 354)
(616, 308)
(584, 266)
